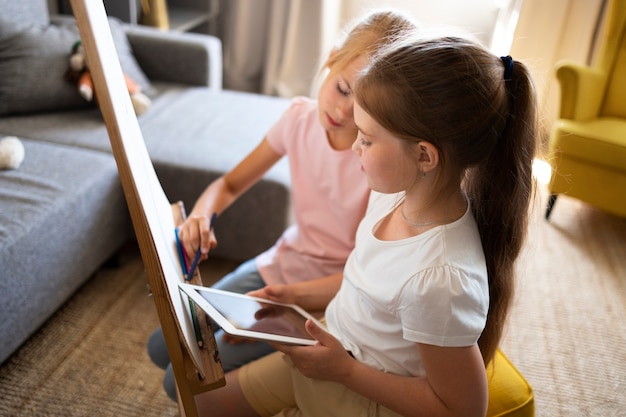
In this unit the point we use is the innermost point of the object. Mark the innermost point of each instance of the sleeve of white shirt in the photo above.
(443, 306)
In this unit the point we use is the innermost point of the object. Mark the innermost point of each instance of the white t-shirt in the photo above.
(329, 198)
(431, 288)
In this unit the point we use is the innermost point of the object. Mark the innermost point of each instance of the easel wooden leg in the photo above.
(181, 409)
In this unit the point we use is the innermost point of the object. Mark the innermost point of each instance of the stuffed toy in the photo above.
(79, 73)
(11, 153)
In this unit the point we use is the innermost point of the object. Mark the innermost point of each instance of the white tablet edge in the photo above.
(193, 291)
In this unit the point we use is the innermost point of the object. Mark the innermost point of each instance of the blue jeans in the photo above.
(242, 280)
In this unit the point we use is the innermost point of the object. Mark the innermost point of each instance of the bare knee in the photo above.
(226, 401)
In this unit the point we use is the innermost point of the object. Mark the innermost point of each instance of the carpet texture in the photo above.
(566, 333)
(567, 329)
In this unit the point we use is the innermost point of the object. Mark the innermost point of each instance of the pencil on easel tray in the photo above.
(181, 252)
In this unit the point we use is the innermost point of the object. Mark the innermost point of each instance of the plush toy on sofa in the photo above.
(79, 73)
(11, 153)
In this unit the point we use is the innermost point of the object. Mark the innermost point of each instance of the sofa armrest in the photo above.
(187, 58)
(581, 90)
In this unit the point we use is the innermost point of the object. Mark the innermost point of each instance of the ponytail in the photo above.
(500, 189)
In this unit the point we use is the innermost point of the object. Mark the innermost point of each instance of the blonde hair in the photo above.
(479, 111)
(367, 37)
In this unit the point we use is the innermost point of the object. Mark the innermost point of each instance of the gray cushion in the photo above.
(63, 214)
(33, 62)
(25, 10)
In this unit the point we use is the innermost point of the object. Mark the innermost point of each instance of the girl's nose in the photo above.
(346, 108)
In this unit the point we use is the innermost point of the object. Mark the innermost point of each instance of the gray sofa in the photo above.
(62, 212)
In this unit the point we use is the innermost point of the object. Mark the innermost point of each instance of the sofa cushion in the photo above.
(62, 214)
(34, 58)
(26, 10)
(601, 142)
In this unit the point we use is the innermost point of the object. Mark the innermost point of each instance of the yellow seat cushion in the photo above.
(509, 393)
(600, 142)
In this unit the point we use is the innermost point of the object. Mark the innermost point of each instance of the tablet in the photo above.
(251, 317)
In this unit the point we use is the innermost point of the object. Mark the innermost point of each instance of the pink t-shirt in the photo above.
(329, 197)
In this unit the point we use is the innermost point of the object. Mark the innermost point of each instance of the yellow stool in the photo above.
(509, 393)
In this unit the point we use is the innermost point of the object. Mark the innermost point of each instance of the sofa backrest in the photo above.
(35, 11)
(615, 47)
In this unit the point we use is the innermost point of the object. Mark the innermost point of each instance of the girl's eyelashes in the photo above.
(362, 140)
(344, 91)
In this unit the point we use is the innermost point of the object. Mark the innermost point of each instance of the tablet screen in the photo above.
(245, 316)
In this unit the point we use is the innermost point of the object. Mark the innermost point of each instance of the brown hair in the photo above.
(452, 93)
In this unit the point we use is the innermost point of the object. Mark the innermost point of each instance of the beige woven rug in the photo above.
(567, 332)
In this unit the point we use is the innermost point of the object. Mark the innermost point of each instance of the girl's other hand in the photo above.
(280, 293)
(327, 360)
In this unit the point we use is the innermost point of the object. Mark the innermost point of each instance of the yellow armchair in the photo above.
(587, 149)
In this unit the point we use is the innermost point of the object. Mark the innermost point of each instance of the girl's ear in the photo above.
(428, 156)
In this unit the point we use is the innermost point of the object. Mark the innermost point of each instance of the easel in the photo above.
(196, 369)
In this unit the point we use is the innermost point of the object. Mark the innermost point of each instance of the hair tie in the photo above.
(507, 61)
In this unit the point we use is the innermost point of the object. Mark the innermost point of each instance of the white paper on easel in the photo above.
(147, 186)
(172, 271)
